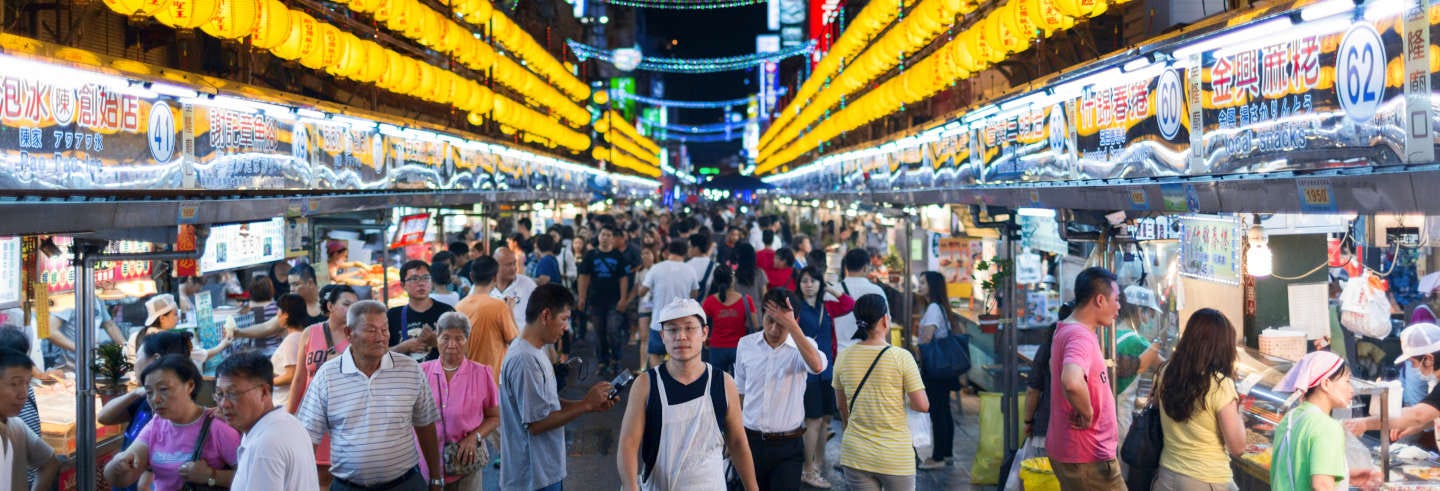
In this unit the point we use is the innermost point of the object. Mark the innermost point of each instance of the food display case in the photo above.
(1262, 408)
(56, 404)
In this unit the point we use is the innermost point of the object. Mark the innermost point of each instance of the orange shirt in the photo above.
(492, 328)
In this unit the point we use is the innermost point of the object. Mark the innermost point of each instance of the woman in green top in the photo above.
(1309, 451)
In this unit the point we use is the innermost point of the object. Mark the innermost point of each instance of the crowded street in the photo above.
(719, 245)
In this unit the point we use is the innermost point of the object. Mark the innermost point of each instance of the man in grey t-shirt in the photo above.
(532, 415)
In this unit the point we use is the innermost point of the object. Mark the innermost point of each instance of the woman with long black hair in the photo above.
(935, 323)
(817, 309)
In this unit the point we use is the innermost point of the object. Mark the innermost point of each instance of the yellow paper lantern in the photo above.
(478, 12)
(326, 36)
(377, 60)
(601, 96)
(390, 76)
(365, 6)
(186, 14)
(1081, 8)
(234, 20)
(1045, 16)
(301, 39)
(272, 24)
(475, 119)
(126, 7)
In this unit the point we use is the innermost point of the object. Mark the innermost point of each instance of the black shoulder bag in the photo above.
(1142, 446)
(866, 378)
(196, 454)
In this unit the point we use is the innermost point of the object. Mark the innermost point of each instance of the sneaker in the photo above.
(931, 464)
(814, 480)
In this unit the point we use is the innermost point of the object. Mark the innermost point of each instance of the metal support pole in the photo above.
(385, 263)
(906, 282)
(86, 255)
(1010, 378)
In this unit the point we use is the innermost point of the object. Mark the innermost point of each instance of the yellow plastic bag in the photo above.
(1037, 475)
(990, 455)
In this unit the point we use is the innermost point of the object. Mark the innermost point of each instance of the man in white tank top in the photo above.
(684, 449)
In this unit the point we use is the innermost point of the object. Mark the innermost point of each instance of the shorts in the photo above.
(1089, 476)
(819, 398)
(656, 345)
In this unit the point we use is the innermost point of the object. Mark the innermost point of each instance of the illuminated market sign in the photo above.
(1319, 88)
(70, 128)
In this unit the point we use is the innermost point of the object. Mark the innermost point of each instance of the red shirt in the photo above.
(727, 322)
(765, 259)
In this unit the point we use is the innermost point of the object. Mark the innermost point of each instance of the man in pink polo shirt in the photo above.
(1083, 438)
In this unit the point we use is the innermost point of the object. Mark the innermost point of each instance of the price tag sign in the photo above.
(1316, 195)
(1138, 200)
(1360, 72)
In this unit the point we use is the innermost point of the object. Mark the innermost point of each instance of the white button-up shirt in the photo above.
(371, 420)
(772, 380)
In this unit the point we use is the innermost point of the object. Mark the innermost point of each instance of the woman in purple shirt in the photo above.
(167, 446)
(468, 399)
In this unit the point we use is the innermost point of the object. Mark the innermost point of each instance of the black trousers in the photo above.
(778, 462)
(942, 421)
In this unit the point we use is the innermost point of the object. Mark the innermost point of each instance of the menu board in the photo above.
(417, 163)
(240, 245)
(411, 230)
(346, 156)
(1210, 249)
(10, 272)
(957, 259)
(58, 274)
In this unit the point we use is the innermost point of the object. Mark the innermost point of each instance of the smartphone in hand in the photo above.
(620, 383)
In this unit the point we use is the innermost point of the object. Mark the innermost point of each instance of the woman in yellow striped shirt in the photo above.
(872, 382)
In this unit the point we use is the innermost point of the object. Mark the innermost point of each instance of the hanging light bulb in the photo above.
(1259, 262)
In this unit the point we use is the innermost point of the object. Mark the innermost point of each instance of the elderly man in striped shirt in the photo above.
(371, 401)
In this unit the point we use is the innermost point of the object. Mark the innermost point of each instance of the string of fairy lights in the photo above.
(693, 65)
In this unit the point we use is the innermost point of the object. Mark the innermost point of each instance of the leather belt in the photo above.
(784, 435)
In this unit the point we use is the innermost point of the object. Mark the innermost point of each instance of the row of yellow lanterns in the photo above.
(515, 115)
(433, 29)
(856, 38)
(295, 35)
(617, 129)
(1001, 33)
(926, 21)
(625, 160)
(515, 39)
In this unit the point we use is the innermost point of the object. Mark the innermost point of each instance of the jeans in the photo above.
(1169, 480)
(942, 421)
(859, 480)
(559, 486)
(609, 330)
(723, 359)
(777, 462)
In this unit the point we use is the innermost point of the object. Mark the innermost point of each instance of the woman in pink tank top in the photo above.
(320, 343)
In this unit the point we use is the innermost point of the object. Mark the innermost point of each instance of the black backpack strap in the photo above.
(700, 294)
(866, 377)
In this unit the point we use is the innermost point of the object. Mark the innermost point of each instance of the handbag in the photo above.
(947, 357)
(1142, 446)
(195, 454)
(449, 452)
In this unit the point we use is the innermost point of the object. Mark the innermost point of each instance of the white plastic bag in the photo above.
(1364, 308)
(921, 436)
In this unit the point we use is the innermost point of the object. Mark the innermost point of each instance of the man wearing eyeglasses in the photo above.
(412, 326)
(275, 451)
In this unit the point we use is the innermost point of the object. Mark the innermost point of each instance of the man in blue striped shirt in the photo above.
(370, 401)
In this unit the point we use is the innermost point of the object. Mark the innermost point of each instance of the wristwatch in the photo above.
(437, 482)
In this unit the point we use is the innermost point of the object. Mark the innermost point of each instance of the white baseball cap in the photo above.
(680, 308)
(1418, 340)
(157, 306)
